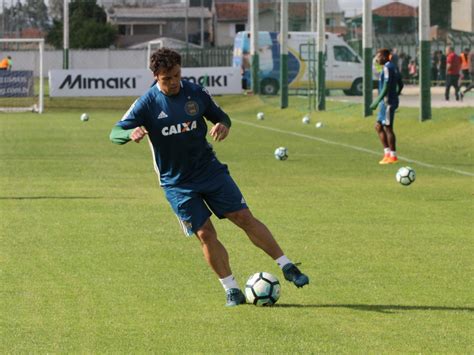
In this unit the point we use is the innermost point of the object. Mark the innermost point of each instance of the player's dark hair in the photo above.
(164, 58)
(384, 52)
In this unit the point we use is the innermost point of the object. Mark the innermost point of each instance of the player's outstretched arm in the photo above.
(118, 135)
(137, 134)
(219, 131)
(382, 94)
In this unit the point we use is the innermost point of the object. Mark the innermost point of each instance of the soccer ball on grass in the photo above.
(260, 116)
(405, 175)
(84, 117)
(281, 153)
(262, 289)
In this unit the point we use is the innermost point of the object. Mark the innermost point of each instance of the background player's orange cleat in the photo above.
(392, 160)
(385, 159)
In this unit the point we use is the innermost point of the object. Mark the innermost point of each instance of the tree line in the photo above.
(88, 27)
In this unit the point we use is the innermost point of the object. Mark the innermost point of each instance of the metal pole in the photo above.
(186, 35)
(202, 24)
(3, 18)
(367, 53)
(284, 54)
(425, 62)
(321, 49)
(313, 16)
(66, 35)
(41, 91)
(254, 45)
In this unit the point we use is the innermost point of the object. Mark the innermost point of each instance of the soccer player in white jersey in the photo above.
(173, 115)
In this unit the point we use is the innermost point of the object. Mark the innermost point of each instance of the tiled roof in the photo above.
(232, 11)
(157, 13)
(227, 11)
(331, 6)
(396, 9)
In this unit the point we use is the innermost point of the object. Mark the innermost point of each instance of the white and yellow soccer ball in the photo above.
(260, 116)
(306, 119)
(405, 176)
(262, 289)
(318, 125)
(281, 153)
(84, 117)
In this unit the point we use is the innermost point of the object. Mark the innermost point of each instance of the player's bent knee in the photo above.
(242, 218)
(206, 233)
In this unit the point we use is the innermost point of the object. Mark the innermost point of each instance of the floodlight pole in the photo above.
(321, 49)
(367, 45)
(425, 62)
(41, 74)
(254, 45)
(284, 54)
(3, 18)
(202, 24)
(186, 34)
(66, 35)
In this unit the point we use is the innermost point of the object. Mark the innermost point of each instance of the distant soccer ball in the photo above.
(319, 124)
(262, 289)
(84, 117)
(260, 116)
(405, 175)
(305, 120)
(281, 153)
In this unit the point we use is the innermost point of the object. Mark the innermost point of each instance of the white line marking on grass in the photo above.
(353, 147)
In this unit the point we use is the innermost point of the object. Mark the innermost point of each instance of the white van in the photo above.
(344, 68)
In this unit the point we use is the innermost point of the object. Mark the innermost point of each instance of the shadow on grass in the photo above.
(382, 308)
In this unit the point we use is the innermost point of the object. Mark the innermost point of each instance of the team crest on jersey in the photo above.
(191, 108)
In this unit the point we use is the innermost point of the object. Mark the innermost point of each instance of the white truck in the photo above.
(343, 67)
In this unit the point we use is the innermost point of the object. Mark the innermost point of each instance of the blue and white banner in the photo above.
(135, 82)
(16, 83)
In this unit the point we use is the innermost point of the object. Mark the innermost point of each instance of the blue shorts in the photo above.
(193, 202)
(386, 113)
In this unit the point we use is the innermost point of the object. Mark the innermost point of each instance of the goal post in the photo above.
(152, 45)
(22, 86)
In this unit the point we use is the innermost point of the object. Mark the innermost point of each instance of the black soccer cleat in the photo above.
(293, 274)
(234, 297)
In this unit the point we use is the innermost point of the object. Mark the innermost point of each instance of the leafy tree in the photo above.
(15, 18)
(29, 13)
(56, 8)
(36, 14)
(88, 27)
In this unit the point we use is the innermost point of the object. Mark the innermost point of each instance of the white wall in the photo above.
(462, 16)
(79, 59)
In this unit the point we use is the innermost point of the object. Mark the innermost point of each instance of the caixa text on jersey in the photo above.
(84, 82)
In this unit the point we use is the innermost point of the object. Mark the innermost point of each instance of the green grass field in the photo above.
(92, 259)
